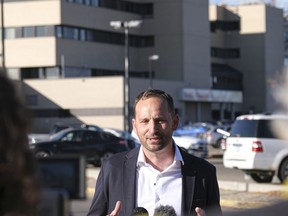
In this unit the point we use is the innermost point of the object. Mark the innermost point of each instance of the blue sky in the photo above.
(279, 3)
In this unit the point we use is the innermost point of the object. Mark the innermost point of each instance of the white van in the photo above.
(254, 148)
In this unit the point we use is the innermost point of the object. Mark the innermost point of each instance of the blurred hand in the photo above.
(199, 211)
(116, 210)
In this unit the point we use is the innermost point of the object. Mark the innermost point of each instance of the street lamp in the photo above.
(150, 59)
(3, 36)
(126, 25)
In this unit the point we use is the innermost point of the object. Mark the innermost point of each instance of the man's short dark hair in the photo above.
(156, 93)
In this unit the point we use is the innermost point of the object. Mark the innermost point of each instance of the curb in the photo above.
(251, 187)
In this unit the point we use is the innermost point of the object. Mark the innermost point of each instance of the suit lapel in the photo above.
(129, 181)
(188, 186)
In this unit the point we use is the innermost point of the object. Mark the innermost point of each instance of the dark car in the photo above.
(96, 146)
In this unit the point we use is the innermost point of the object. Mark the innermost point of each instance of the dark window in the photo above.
(244, 128)
(53, 113)
(144, 9)
(29, 32)
(59, 32)
(225, 25)
(91, 136)
(29, 73)
(225, 53)
(44, 31)
(74, 33)
(70, 33)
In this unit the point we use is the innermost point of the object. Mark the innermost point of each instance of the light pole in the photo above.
(3, 36)
(126, 25)
(150, 59)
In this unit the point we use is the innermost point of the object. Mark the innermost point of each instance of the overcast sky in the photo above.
(279, 3)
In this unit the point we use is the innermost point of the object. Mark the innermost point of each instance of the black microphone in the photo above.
(165, 211)
(139, 211)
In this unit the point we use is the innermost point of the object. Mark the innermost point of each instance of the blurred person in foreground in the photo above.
(19, 188)
(159, 173)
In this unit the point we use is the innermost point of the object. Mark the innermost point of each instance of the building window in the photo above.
(79, 1)
(53, 73)
(94, 2)
(70, 33)
(75, 33)
(44, 31)
(51, 113)
(28, 32)
(224, 25)
(82, 34)
(225, 53)
(10, 33)
(77, 72)
(144, 9)
(59, 33)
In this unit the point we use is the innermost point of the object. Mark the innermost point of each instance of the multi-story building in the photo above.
(71, 61)
(251, 40)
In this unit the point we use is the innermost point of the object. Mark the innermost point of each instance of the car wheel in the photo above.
(283, 170)
(106, 156)
(42, 154)
(261, 177)
(218, 143)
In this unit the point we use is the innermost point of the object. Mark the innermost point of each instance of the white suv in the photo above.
(253, 148)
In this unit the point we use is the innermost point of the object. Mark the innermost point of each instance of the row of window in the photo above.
(68, 72)
(225, 53)
(75, 33)
(143, 9)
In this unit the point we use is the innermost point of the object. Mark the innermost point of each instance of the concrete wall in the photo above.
(92, 101)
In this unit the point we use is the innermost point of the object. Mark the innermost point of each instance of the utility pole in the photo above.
(3, 36)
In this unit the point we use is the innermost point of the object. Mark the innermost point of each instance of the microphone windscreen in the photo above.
(139, 211)
(165, 211)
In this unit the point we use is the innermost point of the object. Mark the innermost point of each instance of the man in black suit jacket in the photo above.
(154, 122)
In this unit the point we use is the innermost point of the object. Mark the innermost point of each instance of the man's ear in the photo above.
(175, 121)
(133, 123)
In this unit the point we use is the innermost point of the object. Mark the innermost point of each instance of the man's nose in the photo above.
(153, 126)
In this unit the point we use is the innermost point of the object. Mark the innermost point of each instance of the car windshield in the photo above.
(57, 136)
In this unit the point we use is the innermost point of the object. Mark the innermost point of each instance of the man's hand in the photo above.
(116, 210)
(199, 211)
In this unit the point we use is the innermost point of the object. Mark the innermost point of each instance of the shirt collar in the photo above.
(142, 161)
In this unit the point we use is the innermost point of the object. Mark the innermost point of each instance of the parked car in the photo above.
(193, 145)
(197, 129)
(216, 136)
(253, 148)
(95, 145)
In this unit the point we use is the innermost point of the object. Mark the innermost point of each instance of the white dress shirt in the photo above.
(156, 188)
